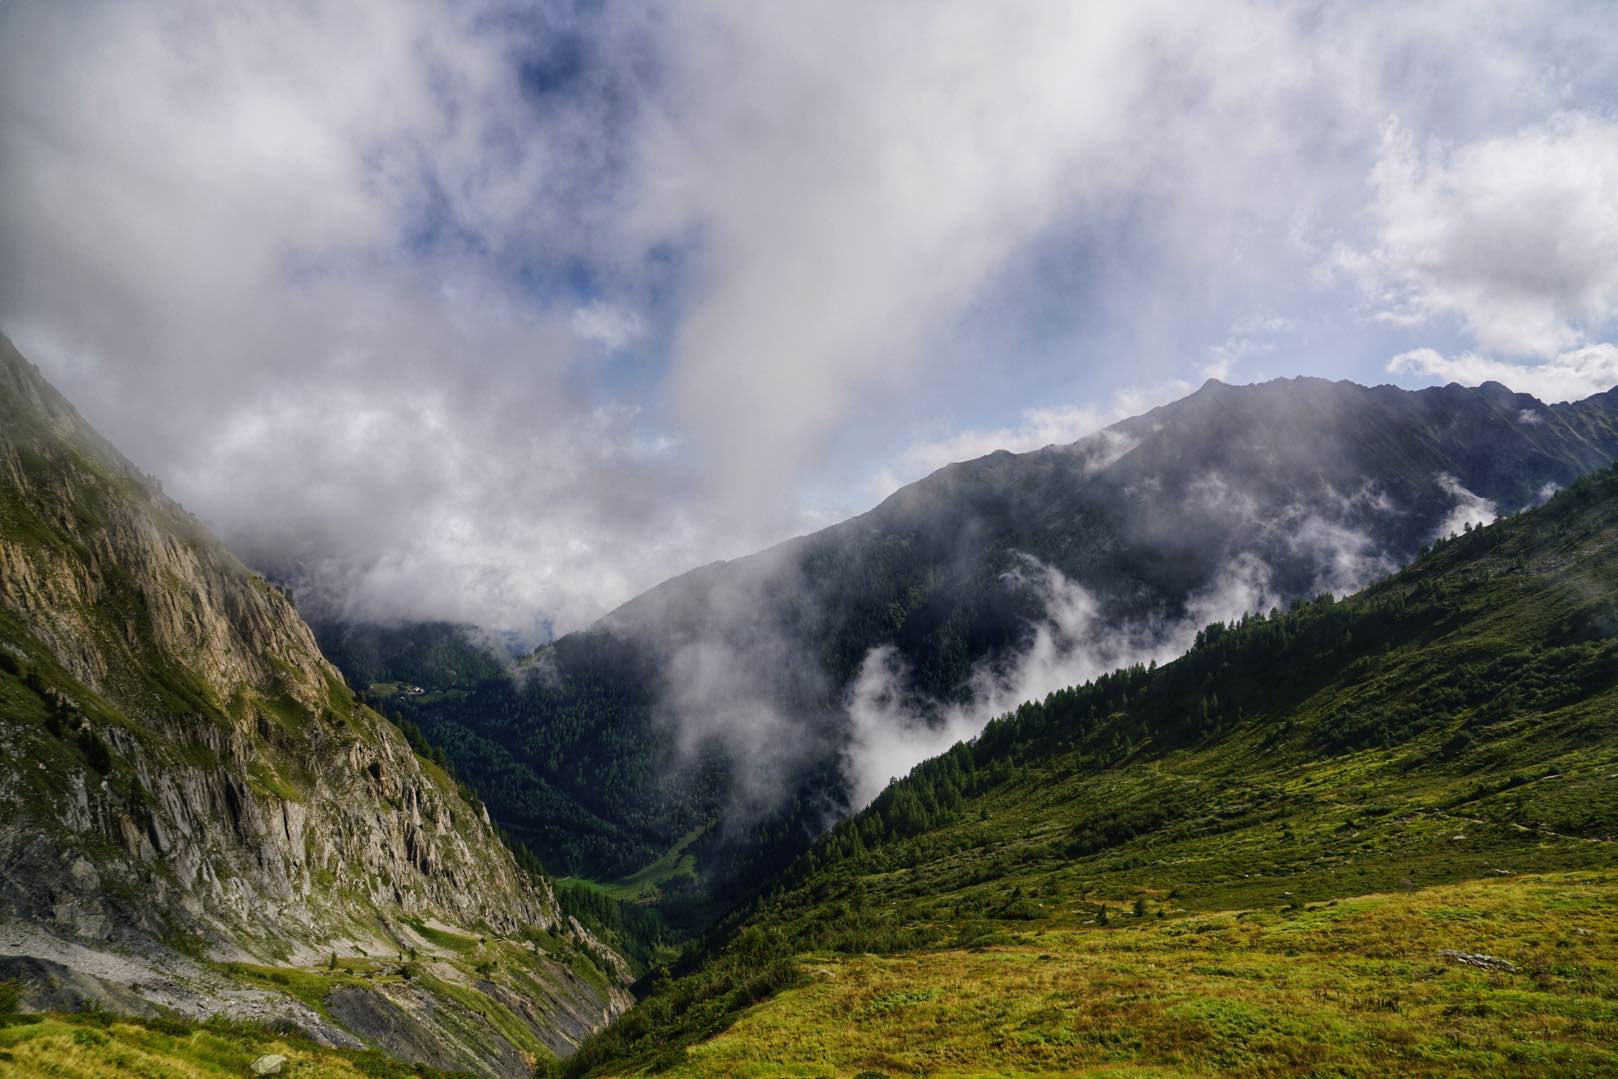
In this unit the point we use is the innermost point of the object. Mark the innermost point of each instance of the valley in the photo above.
(988, 583)
(583, 539)
(1365, 833)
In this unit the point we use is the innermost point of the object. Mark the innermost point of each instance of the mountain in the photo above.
(198, 816)
(1364, 837)
(731, 713)
(411, 654)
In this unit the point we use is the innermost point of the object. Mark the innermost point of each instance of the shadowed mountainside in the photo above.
(753, 698)
(1365, 837)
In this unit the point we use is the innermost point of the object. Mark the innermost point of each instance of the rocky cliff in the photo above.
(193, 802)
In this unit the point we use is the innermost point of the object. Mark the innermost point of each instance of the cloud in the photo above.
(1568, 376)
(892, 730)
(1039, 427)
(500, 308)
(609, 326)
(1345, 559)
(1253, 335)
(892, 727)
(288, 258)
(888, 734)
(712, 694)
(1511, 235)
(1470, 509)
(844, 205)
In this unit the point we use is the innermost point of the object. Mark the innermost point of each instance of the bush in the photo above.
(95, 751)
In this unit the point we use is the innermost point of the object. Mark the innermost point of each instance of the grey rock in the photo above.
(49, 986)
(211, 779)
(1478, 959)
(84, 876)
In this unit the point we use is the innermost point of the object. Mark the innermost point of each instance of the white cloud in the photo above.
(607, 325)
(1039, 427)
(1470, 509)
(1253, 335)
(1512, 236)
(265, 251)
(890, 732)
(337, 272)
(1570, 376)
(892, 729)
(887, 735)
(851, 187)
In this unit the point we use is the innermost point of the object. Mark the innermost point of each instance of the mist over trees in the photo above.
(766, 698)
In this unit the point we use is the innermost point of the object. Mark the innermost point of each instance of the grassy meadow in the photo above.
(1355, 986)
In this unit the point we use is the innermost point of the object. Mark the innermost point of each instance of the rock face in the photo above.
(185, 771)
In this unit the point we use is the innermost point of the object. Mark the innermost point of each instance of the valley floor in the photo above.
(1504, 975)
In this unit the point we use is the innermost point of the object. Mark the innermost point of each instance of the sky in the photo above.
(502, 312)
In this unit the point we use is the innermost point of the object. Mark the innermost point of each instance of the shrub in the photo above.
(95, 751)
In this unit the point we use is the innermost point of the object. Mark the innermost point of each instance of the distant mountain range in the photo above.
(753, 702)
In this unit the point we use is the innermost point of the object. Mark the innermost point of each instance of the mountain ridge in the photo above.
(199, 810)
(1233, 498)
(1363, 836)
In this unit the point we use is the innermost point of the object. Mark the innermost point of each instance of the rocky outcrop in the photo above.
(48, 986)
(113, 570)
(185, 770)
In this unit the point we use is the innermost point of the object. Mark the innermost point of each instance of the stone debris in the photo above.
(269, 1064)
(1478, 959)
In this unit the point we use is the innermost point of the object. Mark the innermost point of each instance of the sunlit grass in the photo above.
(95, 1047)
(642, 884)
(1357, 987)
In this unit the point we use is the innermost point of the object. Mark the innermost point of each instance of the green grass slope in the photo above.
(643, 883)
(99, 1046)
(1359, 837)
